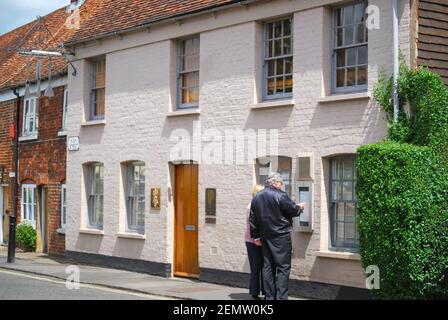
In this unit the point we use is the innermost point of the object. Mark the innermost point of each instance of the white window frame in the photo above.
(29, 216)
(283, 95)
(140, 197)
(181, 72)
(92, 89)
(63, 206)
(91, 196)
(334, 48)
(64, 110)
(30, 112)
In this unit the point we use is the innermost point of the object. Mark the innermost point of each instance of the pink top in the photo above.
(247, 236)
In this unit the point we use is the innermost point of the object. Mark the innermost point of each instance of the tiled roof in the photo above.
(110, 16)
(98, 18)
(48, 35)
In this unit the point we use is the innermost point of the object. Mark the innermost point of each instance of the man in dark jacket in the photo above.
(270, 225)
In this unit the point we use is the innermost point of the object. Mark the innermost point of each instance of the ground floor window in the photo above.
(267, 165)
(135, 196)
(29, 204)
(343, 203)
(63, 205)
(95, 191)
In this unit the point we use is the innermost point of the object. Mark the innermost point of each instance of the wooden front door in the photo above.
(186, 247)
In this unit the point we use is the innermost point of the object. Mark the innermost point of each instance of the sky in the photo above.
(14, 13)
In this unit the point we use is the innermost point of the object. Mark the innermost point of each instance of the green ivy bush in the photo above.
(402, 219)
(402, 190)
(26, 237)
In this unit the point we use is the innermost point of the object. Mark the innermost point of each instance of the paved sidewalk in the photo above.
(175, 288)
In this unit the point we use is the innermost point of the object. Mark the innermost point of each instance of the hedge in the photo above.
(402, 219)
(26, 237)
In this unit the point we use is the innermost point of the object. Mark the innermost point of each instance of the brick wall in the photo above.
(43, 162)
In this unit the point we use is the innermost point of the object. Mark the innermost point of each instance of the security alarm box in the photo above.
(304, 192)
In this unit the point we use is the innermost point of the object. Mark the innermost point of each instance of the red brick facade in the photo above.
(43, 162)
(7, 118)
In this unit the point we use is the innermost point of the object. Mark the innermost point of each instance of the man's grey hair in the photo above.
(273, 178)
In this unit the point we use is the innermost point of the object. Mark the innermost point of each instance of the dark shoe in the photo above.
(256, 297)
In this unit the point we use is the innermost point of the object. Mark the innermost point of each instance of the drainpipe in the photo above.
(396, 62)
(13, 218)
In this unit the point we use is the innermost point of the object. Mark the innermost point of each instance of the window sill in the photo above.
(28, 138)
(62, 133)
(93, 123)
(345, 97)
(184, 112)
(128, 235)
(92, 231)
(61, 231)
(339, 255)
(274, 104)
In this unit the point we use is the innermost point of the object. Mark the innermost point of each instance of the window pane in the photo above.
(340, 233)
(269, 49)
(288, 84)
(336, 191)
(340, 58)
(277, 47)
(270, 32)
(347, 170)
(278, 28)
(340, 212)
(339, 36)
(99, 98)
(350, 212)
(279, 71)
(351, 77)
(359, 13)
(287, 27)
(348, 15)
(339, 16)
(288, 65)
(279, 84)
(340, 78)
(271, 68)
(348, 35)
(350, 236)
(347, 188)
(362, 75)
(362, 55)
(287, 46)
(359, 33)
(351, 56)
(271, 86)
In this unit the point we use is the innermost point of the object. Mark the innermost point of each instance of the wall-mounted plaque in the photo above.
(210, 202)
(155, 198)
(73, 144)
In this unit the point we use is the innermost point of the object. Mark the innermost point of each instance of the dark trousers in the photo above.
(255, 255)
(277, 266)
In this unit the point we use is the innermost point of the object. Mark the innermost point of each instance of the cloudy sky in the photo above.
(14, 13)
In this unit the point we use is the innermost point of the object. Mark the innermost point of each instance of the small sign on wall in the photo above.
(155, 198)
(73, 144)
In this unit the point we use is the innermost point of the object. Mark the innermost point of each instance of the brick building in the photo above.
(42, 137)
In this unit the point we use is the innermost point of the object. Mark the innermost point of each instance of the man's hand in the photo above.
(302, 206)
(258, 242)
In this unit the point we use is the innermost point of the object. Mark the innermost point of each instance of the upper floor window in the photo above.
(135, 196)
(278, 59)
(30, 116)
(343, 203)
(350, 48)
(63, 206)
(97, 88)
(29, 204)
(64, 109)
(95, 191)
(267, 165)
(188, 73)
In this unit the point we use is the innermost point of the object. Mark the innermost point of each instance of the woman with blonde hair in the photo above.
(255, 254)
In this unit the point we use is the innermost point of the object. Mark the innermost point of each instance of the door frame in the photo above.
(43, 219)
(175, 244)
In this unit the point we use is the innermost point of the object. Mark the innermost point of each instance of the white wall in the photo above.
(139, 95)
